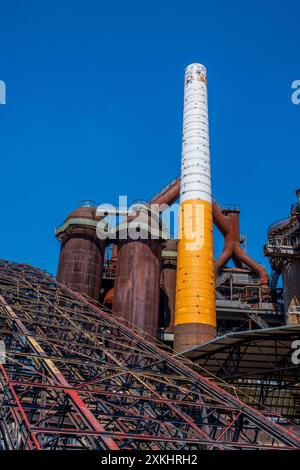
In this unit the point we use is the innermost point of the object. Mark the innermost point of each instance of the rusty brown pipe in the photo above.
(109, 297)
(221, 221)
(230, 230)
(232, 249)
(171, 194)
(167, 195)
(257, 268)
(224, 257)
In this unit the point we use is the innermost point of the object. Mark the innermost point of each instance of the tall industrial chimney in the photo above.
(195, 311)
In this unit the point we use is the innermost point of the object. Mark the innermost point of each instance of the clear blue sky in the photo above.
(94, 109)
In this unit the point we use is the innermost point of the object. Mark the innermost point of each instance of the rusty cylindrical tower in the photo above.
(168, 284)
(283, 250)
(81, 254)
(137, 283)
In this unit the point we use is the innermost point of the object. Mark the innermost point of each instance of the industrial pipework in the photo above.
(228, 223)
(283, 250)
(195, 310)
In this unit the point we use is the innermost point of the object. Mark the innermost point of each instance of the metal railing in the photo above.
(87, 203)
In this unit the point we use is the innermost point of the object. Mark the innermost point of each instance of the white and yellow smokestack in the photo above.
(195, 311)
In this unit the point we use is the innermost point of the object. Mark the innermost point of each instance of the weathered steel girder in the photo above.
(75, 377)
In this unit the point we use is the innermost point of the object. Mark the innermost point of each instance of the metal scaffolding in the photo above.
(260, 363)
(75, 377)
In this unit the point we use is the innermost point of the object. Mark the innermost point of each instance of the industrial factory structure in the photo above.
(148, 342)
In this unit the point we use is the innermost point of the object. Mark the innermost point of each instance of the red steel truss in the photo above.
(75, 377)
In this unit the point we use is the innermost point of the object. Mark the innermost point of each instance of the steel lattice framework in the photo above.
(77, 378)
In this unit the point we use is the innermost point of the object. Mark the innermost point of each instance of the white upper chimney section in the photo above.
(195, 160)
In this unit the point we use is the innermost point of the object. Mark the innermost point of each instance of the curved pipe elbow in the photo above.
(222, 260)
(257, 268)
(221, 221)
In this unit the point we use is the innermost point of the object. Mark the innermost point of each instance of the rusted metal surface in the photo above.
(109, 298)
(114, 257)
(168, 284)
(221, 221)
(232, 246)
(291, 290)
(168, 195)
(137, 282)
(192, 333)
(81, 255)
